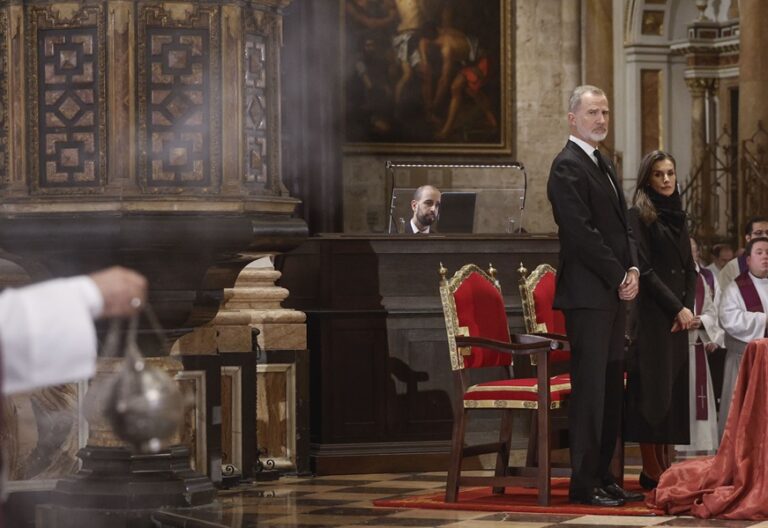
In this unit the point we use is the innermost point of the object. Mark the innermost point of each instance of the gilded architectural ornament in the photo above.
(701, 85)
(179, 99)
(66, 96)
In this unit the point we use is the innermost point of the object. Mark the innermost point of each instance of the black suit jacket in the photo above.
(596, 243)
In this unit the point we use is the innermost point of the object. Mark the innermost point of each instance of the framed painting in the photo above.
(427, 76)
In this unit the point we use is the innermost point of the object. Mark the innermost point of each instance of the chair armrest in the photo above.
(562, 339)
(524, 344)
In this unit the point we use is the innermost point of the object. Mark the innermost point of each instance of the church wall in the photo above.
(542, 76)
(555, 46)
(546, 74)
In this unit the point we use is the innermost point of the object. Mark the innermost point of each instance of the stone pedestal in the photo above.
(255, 302)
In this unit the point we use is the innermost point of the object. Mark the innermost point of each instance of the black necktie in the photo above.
(604, 167)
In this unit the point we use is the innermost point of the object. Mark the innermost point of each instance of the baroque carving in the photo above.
(179, 98)
(255, 109)
(700, 85)
(261, 106)
(3, 100)
(67, 92)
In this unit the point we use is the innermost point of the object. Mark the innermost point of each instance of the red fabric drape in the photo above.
(734, 483)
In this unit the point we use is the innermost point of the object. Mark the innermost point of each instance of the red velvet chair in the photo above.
(478, 337)
(537, 294)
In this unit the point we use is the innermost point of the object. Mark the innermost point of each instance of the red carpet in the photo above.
(516, 500)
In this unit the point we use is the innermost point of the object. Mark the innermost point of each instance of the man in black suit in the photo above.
(597, 271)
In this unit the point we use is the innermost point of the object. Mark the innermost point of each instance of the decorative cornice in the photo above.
(711, 50)
(701, 85)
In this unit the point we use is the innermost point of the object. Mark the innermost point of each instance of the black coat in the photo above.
(657, 365)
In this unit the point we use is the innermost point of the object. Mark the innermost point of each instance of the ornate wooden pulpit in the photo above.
(142, 133)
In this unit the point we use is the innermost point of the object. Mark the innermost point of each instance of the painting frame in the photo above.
(494, 141)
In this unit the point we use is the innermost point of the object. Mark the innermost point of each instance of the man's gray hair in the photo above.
(578, 93)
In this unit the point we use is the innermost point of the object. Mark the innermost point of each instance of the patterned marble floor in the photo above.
(346, 501)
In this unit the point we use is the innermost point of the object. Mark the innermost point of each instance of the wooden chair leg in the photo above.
(457, 451)
(502, 457)
(531, 457)
(545, 468)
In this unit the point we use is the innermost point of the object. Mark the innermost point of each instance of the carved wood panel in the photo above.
(179, 99)
(66, 99)
(261, 101)
(3, 99)
(255, 109)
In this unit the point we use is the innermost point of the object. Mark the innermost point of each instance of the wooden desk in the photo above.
(380, 382)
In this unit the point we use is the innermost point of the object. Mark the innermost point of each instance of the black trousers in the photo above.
(597, 399)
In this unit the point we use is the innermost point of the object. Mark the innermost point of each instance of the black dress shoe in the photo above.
(617, 492)
(596, 497)
(647, 482)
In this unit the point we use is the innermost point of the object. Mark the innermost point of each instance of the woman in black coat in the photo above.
(657, 366)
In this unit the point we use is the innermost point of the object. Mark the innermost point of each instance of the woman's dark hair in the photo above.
(640, 199)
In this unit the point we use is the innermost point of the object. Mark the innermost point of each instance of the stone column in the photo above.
(598, 50)
(702, 91)
(753, 86)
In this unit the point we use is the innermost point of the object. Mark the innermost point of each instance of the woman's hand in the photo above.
(683, 320)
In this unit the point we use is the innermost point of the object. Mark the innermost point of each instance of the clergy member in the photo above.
(742, 315)
(705, 337)
(722, 254)
(756, 227)
(47, 336)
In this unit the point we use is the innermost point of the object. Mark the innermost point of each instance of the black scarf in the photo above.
(668, 208)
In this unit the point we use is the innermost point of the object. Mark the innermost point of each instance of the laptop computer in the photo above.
(457, 212)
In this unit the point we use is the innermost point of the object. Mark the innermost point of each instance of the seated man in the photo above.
(426, 209)
(742, 315)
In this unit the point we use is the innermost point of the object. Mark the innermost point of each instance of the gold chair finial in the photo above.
(522, 271)
(442, 271)
(491, 271)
